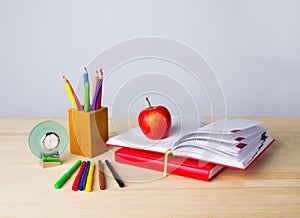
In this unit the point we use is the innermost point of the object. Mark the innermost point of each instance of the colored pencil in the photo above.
(74, 94)
(97, 92)
(67, 175)
(115, 175)
(99, 97)
(70, 94)
(89, 180)
(101, 176)
(85, 75)
(87, 97)
(78, 176)
(96, 78)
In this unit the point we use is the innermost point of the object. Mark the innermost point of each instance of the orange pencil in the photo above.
(96, 78)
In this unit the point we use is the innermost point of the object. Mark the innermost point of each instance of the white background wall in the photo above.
(253, 46)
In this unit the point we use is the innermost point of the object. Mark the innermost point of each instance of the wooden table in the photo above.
(270, 188)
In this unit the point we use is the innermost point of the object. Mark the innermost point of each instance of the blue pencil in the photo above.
(85, 76)
(82, 182)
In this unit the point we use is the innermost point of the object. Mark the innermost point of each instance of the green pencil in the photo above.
(87, 97)
(67, 175)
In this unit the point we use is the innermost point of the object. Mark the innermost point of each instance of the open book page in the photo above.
(226, 138)
(229, 126)
(242, 161)
(221, 143)
(217, 148)
(135, 138)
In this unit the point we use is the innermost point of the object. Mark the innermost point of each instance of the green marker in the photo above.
(67, 175)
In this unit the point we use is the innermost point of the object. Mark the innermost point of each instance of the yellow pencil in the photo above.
(74, 94)
(70, 94)
(89, 180)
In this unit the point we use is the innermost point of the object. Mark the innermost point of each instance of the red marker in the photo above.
(78, 176)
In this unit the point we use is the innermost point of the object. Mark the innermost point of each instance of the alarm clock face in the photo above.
(50, 141)
(48, 137)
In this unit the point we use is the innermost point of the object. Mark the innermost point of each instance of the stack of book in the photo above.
(50, 160)
(200, 151)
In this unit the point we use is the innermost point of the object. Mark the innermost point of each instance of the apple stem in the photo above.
(147, 99)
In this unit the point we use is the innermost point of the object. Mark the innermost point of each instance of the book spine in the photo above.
(180, 170)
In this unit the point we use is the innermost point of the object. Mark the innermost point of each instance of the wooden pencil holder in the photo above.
(88, 132)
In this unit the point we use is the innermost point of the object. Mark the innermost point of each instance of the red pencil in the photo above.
(78, 176)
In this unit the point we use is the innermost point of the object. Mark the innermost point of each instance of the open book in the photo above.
(229, 142)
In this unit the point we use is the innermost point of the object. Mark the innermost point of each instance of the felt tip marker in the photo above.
(67, 175)
(83, 177)
(114, 174)
(78, 176)
(89, 180)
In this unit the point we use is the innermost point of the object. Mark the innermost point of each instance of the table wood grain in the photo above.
(269, 188)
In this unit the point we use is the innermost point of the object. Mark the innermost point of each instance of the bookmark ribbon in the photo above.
(167, 153)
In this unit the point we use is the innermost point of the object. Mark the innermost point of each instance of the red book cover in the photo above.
(186, 167)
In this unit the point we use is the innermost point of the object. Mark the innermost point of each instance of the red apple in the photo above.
(155, 121)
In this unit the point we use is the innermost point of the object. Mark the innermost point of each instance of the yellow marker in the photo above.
(89, 180)
(70, 94)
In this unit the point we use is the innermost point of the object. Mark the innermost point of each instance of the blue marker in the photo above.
(82, 182)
